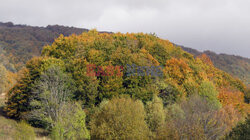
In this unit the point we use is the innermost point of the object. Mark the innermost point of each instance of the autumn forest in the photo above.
(70, 83)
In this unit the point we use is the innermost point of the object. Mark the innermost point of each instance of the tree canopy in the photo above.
(182, 74)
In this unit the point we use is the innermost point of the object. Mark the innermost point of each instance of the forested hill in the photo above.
(19, 43)
(235, 65)
(115, 85)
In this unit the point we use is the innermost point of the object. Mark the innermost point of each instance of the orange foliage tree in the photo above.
(234, 98)
(177, 69)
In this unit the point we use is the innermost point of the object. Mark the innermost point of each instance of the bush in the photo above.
(119, 118)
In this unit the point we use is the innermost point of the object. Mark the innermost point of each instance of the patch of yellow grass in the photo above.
(8, 126)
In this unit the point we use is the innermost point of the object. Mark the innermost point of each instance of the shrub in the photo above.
(119, 118)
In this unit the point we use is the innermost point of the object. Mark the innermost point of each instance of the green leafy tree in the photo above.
(209, 92)
(169, 92)
(51, 92)
(155, 113)
(119, 118)
(241, 131)
(70, 124)
(18, 103)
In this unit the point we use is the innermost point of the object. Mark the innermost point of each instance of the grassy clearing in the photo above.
(8, 127)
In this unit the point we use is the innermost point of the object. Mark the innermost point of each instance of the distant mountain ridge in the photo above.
(235, 65)
(19, 43)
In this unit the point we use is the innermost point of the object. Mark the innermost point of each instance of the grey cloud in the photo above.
(218, 25)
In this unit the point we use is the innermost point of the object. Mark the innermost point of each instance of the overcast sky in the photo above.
(222, 26)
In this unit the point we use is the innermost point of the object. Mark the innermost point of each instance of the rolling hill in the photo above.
(19, 43)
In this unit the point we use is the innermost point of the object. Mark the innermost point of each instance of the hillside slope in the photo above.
(235, 65)
(19, 43)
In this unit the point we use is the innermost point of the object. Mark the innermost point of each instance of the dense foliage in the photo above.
(95, 69)
(234, 65)
(241, 131)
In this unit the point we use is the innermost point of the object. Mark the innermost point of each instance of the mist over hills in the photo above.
(19, 43)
